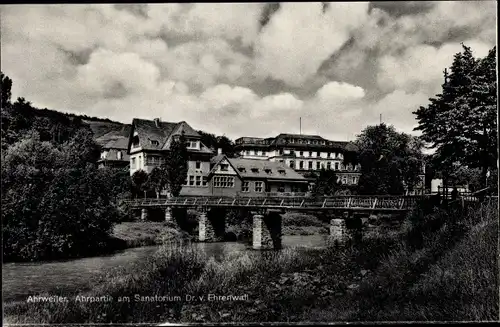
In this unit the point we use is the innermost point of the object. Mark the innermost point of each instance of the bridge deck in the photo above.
(358, 203)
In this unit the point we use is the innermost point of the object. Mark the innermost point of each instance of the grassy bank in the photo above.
(450, 273)
(138, 233)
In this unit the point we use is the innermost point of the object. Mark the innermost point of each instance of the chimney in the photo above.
(219, 151)
(157, 122)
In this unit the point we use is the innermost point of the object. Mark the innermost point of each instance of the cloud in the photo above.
(420, 68)
(299, 37)
(336, 91)
(241, 69)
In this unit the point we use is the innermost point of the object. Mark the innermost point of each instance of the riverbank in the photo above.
(448, 274)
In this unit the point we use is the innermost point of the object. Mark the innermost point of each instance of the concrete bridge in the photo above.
(267, 212)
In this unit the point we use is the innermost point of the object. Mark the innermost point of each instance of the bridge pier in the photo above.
(266, 231)
(144, 214)
(338, 232)
(168, 214)
(205, 229)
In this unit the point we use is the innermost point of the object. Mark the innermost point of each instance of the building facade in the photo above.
(149, 143)
(253, 177)
(302, 153)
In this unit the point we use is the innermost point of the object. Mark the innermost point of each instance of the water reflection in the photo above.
(21, 280)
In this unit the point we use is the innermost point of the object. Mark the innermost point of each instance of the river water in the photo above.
(21, 280)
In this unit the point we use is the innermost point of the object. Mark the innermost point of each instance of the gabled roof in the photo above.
(157, 135)
(276, 170)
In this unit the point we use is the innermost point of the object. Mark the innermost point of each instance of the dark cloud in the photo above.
(77, 58)
(115, 91)
(137, 9)
(401, 8)
(269, 10)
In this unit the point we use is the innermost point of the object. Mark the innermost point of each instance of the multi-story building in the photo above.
(149, 143)
(251, 177)
(303, 153)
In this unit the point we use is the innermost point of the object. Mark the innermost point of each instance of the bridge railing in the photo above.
(352, 202)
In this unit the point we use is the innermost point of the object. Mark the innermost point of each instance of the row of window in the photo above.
(332, 155)
(258, 187)
(196, 180)
(319, 165)
(223, 181)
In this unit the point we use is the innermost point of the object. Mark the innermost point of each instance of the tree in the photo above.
(218, 142)
(326, 183)
(157, 180)
(6, 90)
(460, 124)
(176, 165)
(139, 182)
(390, 161)
(52, 208)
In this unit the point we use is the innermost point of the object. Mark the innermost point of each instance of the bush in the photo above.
(55, 204)
(300, 219)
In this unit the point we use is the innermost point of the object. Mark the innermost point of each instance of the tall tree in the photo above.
(390, 161)
(6, 90)
(460, 124)
(176, 165)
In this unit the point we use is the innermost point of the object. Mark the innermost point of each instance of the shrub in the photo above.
(300, 219)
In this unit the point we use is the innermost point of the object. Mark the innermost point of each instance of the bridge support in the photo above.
(205, 229)
(144, 214)
(338, 232)
(266, 231)
(168, 214)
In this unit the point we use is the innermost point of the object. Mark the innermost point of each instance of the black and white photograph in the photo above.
(169, 164)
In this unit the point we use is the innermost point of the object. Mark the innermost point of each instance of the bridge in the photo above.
(285, 203)
(267, 211)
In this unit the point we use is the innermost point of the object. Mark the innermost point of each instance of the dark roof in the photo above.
(150, 131)
(157, 135)
(261, 166)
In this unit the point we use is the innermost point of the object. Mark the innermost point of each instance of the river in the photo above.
(21, 280)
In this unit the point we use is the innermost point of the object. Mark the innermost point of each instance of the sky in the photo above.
(242, 69)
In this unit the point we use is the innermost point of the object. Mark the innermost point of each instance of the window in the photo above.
(318, 165)
(301, 164)
(255, 170)
(310, 154)
(132, 163)
(301, 153)
(267, 170)
(198, 165)
(245, 187)
(192, 144)
(281, 171)
(336, 166)
(191, 180)
(310, 165)
(242, 169)
(223, 181)
(281, 187)
(328, 165)
(198, 180)
(344, 179)
(119, 155)
(342, 167)
(204, 181)
(258, 186)
(292, 164)
(155, 142)
(224, 167)
(139, 162)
